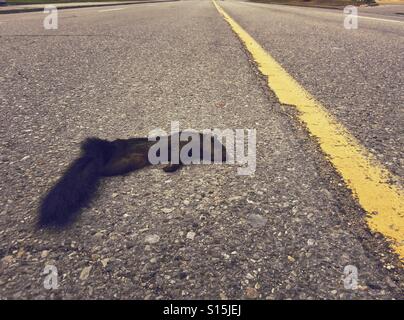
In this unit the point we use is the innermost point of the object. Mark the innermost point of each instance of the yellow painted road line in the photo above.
(368, 179)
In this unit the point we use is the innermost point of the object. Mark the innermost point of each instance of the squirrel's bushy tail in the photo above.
(76, 187)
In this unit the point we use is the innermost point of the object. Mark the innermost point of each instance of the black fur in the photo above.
(78, 184)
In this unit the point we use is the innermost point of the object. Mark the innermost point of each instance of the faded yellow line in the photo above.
(368, 179)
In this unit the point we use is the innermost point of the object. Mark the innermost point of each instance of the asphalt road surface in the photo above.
(202, 232)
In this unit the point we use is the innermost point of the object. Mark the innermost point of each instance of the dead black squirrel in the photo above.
(101, 158)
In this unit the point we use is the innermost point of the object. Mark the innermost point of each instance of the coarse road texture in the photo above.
(203, 232)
